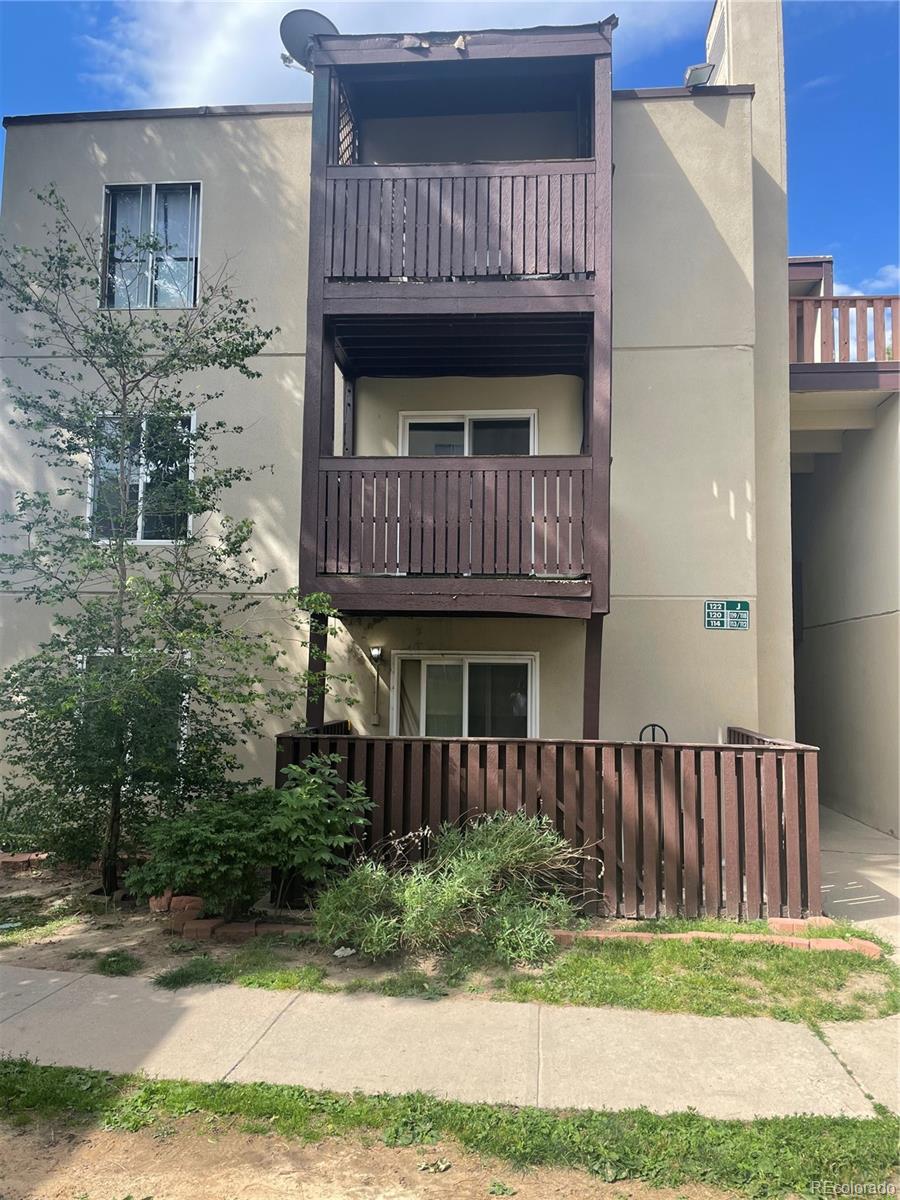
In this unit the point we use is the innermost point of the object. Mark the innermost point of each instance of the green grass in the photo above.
(410, 984)
(117, 962)
(716, 979)
(765, 1157)
(38, 918)
(710, 978)
(841, 928)
(259, 964)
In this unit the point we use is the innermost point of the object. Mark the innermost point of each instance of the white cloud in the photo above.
(169, 53)
(885, 279)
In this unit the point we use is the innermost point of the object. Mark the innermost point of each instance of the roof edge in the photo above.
(299, 107)
(683, 93)
(137, 114)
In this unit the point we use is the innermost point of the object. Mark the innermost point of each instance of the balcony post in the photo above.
(601, 347)
(317, 658)
(593, 644)
(315, 331)
(349, 438)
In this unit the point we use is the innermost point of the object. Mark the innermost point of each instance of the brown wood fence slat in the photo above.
(650, 831)
(670, 824)
(693, 892)
(671, 839)
(711, 829)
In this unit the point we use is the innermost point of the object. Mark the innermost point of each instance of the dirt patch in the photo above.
(71, 945)
(200, 1162)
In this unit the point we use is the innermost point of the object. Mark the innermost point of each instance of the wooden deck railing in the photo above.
(454, 516)
(675, 829)
(462, 221)
(840, 329)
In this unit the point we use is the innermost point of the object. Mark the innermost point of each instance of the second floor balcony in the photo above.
(503, 517)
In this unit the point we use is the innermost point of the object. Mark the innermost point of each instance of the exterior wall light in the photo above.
(375, 653)
(699, 75)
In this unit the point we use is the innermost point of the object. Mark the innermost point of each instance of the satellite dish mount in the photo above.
(299, 29)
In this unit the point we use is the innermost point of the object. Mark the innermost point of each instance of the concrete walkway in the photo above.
(860, 875)
(476, 1050)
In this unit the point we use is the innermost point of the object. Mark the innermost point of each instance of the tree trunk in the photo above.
(109, 855)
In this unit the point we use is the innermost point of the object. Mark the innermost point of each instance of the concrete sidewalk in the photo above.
(860, 875)
(476, 1050)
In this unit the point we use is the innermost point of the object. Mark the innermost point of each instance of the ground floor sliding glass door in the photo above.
(464, 695)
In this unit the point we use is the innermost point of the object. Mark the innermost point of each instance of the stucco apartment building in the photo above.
(530, 404)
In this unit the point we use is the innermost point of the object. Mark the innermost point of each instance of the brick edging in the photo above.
(184, 918)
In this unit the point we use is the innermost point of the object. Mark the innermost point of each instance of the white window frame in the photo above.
(434, 657)
(143, 476)
(105, 210)
(467, 416)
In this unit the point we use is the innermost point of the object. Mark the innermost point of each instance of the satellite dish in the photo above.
(297, 30)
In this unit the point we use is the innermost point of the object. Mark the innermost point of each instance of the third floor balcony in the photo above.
(470, 170)
(460, 221)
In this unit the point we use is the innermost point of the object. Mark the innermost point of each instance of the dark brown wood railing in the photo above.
(840, 329)
(674, 829)
(454, 516)
(462, 221)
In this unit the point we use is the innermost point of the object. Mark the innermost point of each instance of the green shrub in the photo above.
(314, 821)
(218, 849)
(498, 882)
(214, 851)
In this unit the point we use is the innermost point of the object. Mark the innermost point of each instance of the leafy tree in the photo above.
(167, 647)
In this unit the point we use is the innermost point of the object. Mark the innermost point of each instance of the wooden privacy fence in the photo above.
(833, 329)
(464, 516)
(675, 829)
(464, 221)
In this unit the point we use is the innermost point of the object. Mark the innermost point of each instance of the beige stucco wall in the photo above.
(482, 137)
(847, 539)
(754, 53)
(254, 177)
(683, 478)
(555, 399)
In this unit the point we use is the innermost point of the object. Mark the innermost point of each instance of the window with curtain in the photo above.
(152, 240)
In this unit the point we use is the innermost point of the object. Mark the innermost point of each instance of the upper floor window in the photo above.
(143, 493)
(152, 240)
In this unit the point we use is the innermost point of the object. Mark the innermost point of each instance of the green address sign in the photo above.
(726, 614)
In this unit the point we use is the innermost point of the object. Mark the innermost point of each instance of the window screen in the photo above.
(498, 700)
(441, 438)
(500, 435)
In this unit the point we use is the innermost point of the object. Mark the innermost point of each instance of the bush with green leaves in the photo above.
(216, 851)
(500, 882)
(315, 822)
(219, 848)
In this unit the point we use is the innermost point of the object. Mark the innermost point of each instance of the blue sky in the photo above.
(842, 68)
